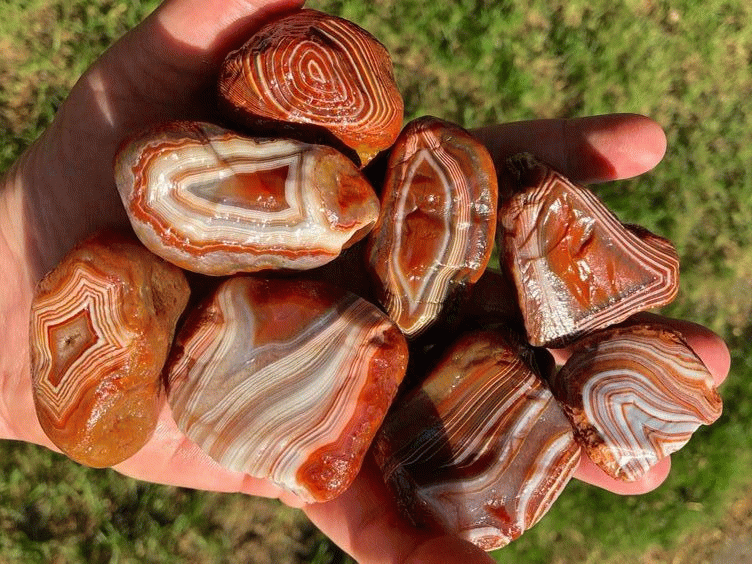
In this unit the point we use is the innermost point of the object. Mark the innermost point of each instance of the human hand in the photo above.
(62, 190)
(587, 150)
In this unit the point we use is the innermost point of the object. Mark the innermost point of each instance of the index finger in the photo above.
(589, 149)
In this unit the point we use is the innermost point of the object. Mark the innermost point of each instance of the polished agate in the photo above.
(480, 449)
(317, 71)
(286, 380)
(635, 394)
(436, 229)
(215, 202)
(575, 266)
(101, 326)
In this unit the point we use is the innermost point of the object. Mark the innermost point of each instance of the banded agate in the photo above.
(481, 449)
(101, 327)
(575, 266)
(436, 229)
(215, 202)
(635, 394)
(319, 71)
(286, 380)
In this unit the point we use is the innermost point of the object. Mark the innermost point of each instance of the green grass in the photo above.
(685, 63)
(52, 510)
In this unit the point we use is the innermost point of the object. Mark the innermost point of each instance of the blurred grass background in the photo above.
(686, 63)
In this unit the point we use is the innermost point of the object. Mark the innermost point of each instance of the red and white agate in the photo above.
(101, 327)
(575, 266)
(286, 380)
(480, 449)
(635, 394)
(216, 202)
(317, 70)
(436, 229)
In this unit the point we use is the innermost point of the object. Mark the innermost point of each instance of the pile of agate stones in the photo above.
(438, 366)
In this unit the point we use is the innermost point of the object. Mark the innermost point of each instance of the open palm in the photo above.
(62, 189)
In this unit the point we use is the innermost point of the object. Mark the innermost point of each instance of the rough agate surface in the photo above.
(576, 268)
(635, 394)
(320, 71)
(215, 202)
(436, 229)
(481, 449)
(101, 327)
(286, 380)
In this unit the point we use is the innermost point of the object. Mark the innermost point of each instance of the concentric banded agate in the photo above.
(576, 267)
(101, 327)
(436, 229)
(635, 394)
(286, 380)
(481, 449)
(318, 70)
(215, 202)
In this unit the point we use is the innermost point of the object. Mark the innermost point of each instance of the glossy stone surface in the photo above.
(101, 326)
(481, 449)
(286, 380)
(575, 266)
(436, 229)
(635, 394)
(317, 71)
(215, 202)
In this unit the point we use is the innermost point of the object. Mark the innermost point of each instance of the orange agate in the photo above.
(102, 324)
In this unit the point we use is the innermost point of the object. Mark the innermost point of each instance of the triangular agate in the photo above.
(576, 267)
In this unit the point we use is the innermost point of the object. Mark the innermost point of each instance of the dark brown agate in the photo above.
(101, 326)
(215, 202)
(575, 266)
(436, 229)
(635, 394)
(286, 380)
(481, 449)
(318, 72)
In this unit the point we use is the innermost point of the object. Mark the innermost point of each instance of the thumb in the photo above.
(163, 69)
(210, 25)
(170, 61)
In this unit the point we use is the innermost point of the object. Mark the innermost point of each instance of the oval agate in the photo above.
(436, 229)
(320, 72)
(216, 202)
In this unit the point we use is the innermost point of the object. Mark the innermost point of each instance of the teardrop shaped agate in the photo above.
(480, 449)
(286, 380)
(102, 324)
(216, 202)
(435, 233)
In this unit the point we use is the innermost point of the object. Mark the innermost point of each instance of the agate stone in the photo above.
(635, 394)
(480, 449)
(286, 380)
(102, 323)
